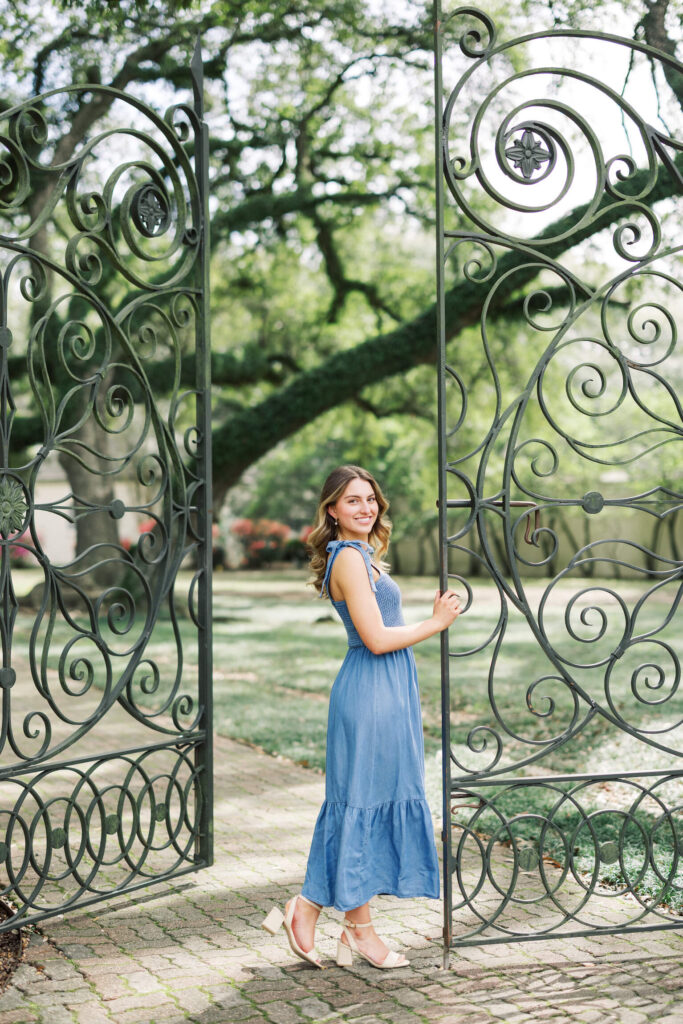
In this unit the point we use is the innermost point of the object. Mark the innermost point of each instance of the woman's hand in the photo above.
(446, 608)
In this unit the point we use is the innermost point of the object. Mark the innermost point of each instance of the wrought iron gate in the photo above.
(560, 469)
(105, 780)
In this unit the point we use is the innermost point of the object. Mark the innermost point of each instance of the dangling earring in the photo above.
(334, 520)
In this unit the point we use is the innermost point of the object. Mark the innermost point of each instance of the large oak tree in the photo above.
(321, 142)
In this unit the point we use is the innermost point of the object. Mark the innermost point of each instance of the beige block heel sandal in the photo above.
(274, 921)
(345, 953)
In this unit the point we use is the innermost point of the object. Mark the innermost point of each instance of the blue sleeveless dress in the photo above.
(374, 833)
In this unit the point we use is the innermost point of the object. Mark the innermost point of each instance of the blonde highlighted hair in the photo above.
(325, 527)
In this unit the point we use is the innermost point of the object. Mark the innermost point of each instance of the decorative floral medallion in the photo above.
(150, 211)
(527, 154)
(12, 506)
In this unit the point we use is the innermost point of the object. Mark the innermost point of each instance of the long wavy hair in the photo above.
(325, 527)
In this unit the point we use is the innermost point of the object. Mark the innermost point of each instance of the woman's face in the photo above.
(356, 510)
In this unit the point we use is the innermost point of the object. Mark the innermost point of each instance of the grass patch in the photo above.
(634, 847)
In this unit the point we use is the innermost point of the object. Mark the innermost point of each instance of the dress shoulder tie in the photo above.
(334, 547)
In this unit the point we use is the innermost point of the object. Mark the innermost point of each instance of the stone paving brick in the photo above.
(166, 1012)
(411, 997)
(439, 1013)
(401, 1016)
(11, 999)
(57, 1015)
(118, 1007)
(313, 1008)
(108, 966)
(215, 1015)
(143, 981)
(631, 1016)
(384, 1009)
(500, 1009)
(367, 1020)
(68, 998)
(283, 1013)
(17, 1017)
(57, 970)
(76, 951)
(91, 1013)
(112, 986)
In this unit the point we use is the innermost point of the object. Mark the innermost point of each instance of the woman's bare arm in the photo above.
(351, 581)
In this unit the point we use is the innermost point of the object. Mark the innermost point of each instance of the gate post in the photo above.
(204, 758)
(443, 490)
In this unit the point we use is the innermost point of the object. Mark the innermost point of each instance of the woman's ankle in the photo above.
(307, 902)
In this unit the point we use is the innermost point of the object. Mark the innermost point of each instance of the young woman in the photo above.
(374, 833)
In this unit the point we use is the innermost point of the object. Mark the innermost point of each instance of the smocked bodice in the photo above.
(386, 591)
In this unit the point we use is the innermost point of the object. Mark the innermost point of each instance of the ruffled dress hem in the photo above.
(361, 852)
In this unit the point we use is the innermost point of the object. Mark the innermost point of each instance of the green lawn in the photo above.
(278, 648)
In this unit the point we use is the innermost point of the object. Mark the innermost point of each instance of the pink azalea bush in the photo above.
(267, 540)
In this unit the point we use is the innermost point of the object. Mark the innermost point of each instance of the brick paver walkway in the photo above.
(195, 951)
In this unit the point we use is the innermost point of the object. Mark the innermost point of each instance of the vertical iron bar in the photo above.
(443, 508)
(204, 754)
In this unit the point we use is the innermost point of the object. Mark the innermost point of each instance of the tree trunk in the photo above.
(97, 535)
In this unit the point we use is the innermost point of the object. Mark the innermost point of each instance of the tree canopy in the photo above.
(321, 184)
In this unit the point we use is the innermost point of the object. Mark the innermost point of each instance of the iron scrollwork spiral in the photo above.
(561, 479)
(94, 428)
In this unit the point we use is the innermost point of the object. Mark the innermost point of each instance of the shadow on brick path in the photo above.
(195, 952)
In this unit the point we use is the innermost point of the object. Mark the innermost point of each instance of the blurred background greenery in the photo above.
(322, 212)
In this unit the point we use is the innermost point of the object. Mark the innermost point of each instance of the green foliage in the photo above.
(322, 209)
(287, 482)
(529, 806)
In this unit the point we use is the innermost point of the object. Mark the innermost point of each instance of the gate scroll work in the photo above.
(105, 777)
(560, 475)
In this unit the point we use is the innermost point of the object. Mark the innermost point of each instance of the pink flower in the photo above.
(242, 527)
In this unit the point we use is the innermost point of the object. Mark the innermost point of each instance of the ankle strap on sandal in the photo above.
(357, 924)
(310, 902)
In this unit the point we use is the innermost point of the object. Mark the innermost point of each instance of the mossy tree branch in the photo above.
(249, 434)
